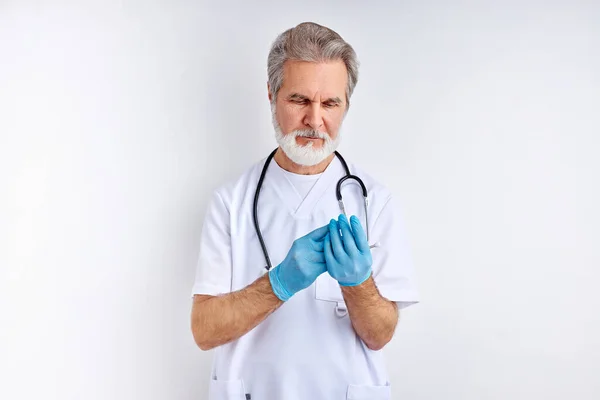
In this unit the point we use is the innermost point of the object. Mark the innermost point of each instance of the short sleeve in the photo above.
(393, 269)
(213, 270)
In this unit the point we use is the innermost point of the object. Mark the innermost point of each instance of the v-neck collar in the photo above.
(298, 207)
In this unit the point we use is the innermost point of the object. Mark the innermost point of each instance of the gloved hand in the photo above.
(303, 264)
(348, 256)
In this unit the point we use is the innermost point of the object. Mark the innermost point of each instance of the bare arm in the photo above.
(217, 320)
(373, 317)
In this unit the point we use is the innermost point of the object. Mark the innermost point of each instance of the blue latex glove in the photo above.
(348, 256)
(303, 264)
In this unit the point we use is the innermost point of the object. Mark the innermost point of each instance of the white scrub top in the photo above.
(307, 349)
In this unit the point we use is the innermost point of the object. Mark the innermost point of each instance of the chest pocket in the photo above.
(328, 289)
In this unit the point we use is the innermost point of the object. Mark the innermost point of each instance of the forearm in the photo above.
(221, 319)
(373, 317)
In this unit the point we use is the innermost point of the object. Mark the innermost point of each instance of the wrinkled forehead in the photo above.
(323, 80)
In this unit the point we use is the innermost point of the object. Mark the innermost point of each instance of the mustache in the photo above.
(312, 134)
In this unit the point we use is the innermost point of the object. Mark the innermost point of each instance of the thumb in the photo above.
(318, 234)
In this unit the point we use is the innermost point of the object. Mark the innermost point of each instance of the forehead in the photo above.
(308, 78)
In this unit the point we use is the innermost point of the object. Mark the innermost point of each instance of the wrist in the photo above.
(359, 281)
(277, 285)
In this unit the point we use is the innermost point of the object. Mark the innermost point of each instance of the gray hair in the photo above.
(314, 43)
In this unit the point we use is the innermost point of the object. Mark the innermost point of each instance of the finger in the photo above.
(317, 245)
(336, 241)
(328, 252)
(318, 234)
(315, 257)
(347, 237)
(360, 237)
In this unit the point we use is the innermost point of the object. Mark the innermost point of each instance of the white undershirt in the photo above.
(302, 183)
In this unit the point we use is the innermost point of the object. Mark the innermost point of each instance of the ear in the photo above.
(269, 92)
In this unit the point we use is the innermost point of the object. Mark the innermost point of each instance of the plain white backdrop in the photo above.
(118, 119)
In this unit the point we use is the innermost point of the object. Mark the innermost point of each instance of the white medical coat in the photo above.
(307, 349)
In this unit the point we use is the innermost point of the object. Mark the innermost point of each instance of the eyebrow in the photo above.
(298, 96)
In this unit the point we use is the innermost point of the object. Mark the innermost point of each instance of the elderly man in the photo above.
(289, 290)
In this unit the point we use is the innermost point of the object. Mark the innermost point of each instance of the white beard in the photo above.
(304, 155)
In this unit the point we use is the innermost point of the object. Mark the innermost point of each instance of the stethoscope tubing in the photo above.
(338, 194)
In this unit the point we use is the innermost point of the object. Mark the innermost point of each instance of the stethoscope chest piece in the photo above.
(340, 309)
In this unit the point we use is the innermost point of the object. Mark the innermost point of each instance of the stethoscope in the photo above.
(338, 194)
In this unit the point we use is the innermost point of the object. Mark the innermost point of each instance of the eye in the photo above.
(329, 105)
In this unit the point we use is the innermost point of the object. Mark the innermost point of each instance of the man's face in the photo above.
(312, 98)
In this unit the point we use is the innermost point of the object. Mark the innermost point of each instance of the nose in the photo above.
(313, 117)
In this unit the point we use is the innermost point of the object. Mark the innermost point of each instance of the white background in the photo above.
(117, 120)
